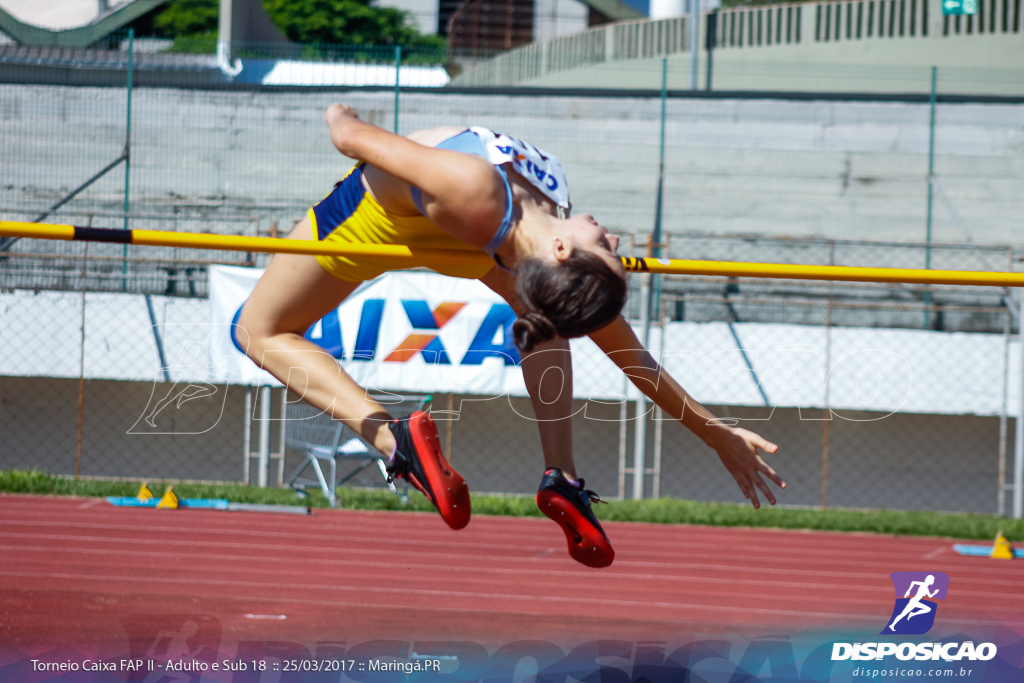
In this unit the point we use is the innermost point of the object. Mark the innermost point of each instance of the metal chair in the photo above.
(324, 439)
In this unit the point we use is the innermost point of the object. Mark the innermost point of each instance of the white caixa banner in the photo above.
(425, 333)
(410, 331)
(421, 332)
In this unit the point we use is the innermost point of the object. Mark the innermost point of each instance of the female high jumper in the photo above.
(473, 189)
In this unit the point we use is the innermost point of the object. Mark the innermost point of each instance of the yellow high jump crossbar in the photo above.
(404, 256)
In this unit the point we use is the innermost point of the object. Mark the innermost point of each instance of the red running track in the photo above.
(77, 572)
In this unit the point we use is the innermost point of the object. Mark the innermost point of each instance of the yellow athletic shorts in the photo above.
(349, 214)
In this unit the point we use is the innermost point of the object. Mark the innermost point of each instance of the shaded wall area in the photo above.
(903, 461)
(200, 440)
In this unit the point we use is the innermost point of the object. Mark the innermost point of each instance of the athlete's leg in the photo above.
(547, 371)
(292, 295)
(548, 375)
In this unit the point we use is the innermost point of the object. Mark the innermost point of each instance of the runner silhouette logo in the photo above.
(916, 592)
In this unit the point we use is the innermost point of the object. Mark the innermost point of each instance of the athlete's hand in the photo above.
(337, 113)
(738, 450)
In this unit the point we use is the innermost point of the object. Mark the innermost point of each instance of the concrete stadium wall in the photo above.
(735, 166)
(39, 423)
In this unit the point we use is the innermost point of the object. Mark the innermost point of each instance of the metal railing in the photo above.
(774, 31)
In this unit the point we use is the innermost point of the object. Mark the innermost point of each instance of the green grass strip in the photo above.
(660, 511)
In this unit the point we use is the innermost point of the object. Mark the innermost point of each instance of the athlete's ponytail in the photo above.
(573, 298)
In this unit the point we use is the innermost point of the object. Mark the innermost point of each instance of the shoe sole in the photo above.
(451, 495)
(587, 545)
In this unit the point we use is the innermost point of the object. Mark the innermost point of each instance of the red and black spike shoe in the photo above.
(569, 506)
(419, 460)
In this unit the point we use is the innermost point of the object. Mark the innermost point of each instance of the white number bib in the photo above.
(543, 170)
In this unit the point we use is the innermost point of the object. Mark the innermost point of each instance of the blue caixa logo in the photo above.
(915, 608)
(493, 338)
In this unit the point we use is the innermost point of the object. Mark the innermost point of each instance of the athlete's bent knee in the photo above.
(249, 334)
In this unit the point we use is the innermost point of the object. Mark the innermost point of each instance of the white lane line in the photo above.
(857, 618)
(355, 558)
(569, 600)
(809, 584)
(449, 550)
(681, 541)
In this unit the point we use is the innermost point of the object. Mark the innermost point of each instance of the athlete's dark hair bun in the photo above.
(531, 329)
(578, 296)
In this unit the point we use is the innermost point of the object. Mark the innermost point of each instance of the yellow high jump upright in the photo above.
(404, 256)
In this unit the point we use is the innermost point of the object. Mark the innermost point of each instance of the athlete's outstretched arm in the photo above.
(736, 447)
(463, 194)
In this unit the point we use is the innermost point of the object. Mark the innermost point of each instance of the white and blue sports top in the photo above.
(543, 170)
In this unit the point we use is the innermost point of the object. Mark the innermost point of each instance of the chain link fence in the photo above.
(100, 373)
(802, 364)
(787, 164)
(811, 365)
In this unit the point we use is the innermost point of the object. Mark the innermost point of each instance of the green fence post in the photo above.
(711, 42)
(655, 301)
(128, 153)
(398, 69)
(931, 173)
